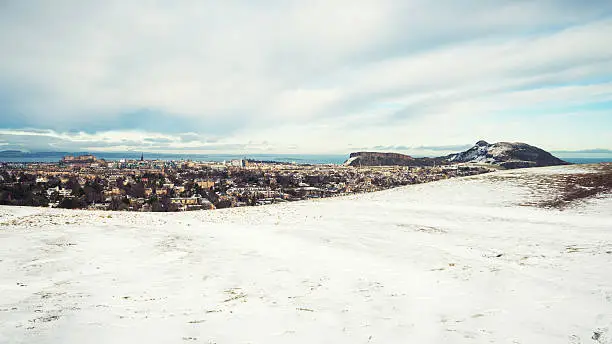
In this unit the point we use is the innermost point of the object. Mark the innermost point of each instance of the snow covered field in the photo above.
(456, 261)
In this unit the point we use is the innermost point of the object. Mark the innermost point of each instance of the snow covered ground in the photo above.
(456, 261)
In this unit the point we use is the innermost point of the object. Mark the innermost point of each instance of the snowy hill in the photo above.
(463, 260)
(507, 154)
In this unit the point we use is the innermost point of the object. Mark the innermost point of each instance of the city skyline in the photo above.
(320, 78)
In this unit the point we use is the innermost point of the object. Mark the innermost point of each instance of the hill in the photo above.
(12, 153)
(507, 155)
(504, 154)
(377, 159)
(389, 159)
(463, 260)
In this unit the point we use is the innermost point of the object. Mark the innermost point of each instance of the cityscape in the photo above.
(346, 172)
(86, 182)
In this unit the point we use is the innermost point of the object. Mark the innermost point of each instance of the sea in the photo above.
(335, 159)
(587, 160)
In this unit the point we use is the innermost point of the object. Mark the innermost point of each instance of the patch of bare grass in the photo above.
(576, 187)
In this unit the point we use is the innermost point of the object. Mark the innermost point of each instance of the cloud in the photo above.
(158, 140)
(419, 150)
(389, 148)
(455, 148)
(310, 77)
(117, 141)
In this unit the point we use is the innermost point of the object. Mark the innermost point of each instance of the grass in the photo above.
(577, 187)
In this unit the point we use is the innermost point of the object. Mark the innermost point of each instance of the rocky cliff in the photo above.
(389, 159)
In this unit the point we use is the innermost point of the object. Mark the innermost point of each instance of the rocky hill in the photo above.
(377, 159)
(507, 155)
(388, 159)
(504, 154)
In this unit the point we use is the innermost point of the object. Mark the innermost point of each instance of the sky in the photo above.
(414, 76)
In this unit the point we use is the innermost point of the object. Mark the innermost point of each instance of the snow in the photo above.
(454, 261)
(474, 154)
(350, 160)
(501, 148)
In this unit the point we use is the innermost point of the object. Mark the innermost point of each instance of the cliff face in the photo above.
(507, 155)
(390, 159)
(378, 159)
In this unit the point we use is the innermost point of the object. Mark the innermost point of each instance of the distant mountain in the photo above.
(21, 154)
(11, 153)
(505, 154)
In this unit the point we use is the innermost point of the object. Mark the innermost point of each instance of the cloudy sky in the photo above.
(332, 76)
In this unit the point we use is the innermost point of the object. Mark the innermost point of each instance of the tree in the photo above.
(93, 192)
(223, 204)
(73, 203)
(137, 190)
(119, 203)
(53, 182)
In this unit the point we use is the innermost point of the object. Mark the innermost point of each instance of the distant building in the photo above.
(61, 191)
(187, 203)
(185, 200)
(179, 188)
(205, 184)
(70, 159)
(236, 163)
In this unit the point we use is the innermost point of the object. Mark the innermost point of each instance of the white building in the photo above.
(236, 163)
(61, 191)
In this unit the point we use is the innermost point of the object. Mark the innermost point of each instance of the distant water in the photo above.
(287, 158)
(587, 160)
(336, 159)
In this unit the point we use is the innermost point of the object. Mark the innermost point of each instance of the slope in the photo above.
(456, 261)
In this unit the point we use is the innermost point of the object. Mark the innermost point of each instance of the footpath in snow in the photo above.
(456, 261)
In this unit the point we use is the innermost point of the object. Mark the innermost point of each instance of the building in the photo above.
(205, 184)
(193, 200)
(179, 189)
(61, 191)
(70, 159)
(192, 203)
(236, 163)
